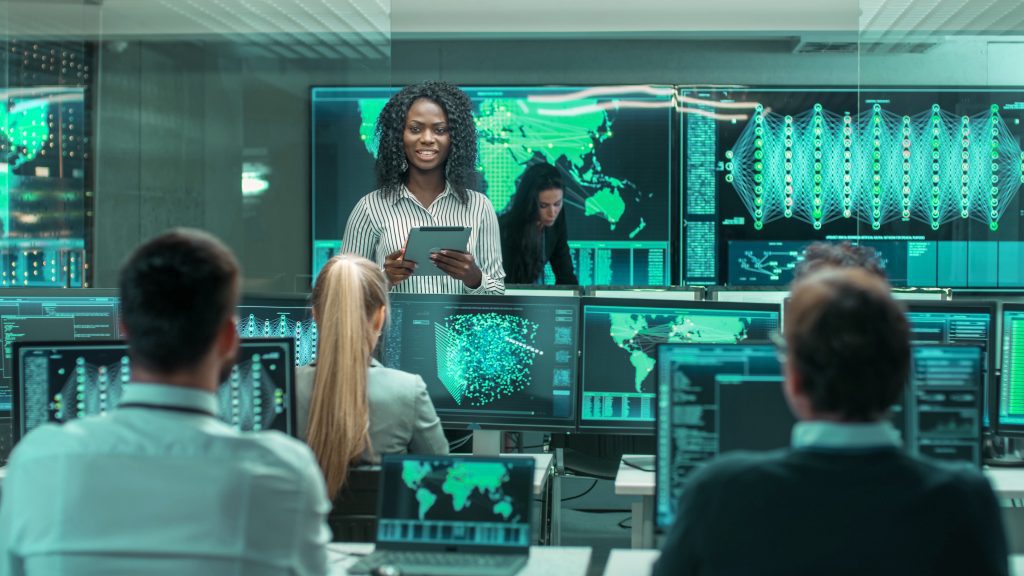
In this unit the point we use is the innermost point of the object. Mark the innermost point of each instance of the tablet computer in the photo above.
(425, 240)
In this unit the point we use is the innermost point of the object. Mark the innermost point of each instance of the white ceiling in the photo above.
(363, 25)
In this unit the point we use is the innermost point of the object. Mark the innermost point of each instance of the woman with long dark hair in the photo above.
(533, 230)
(426, 161)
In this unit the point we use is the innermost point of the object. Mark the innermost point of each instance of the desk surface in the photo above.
(542, 466)
(630, 562)
(631, 481)
(626, 562)
(544, 560)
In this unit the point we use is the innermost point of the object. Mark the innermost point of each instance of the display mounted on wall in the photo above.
(613, 146)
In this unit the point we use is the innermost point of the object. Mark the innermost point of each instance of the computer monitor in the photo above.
(714, 399)
(468, 503)
(280, 316)
(49, 314)
(491, 362)
(1010, 421)
(960, 323)
(619, 338)
(612, 144)
(62, 381)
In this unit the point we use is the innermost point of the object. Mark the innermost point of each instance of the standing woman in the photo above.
(426, 160)
(533, 230)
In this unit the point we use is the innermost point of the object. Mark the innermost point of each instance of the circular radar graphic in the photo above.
(485, 357)
(876, 167)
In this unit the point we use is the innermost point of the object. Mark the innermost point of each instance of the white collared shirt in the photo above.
(823, 435)
(162, 488)
(380, 226)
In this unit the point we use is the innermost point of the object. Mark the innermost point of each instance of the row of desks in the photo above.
(637, 479)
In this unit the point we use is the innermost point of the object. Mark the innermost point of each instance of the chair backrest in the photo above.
(354, 516)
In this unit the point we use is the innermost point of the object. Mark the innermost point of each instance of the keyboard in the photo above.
(410, 563)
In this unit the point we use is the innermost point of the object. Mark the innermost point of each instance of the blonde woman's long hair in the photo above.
(349, 293)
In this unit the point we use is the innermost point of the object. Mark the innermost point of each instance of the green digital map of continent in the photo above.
(639, 334)
(511, 131)
(460, 481)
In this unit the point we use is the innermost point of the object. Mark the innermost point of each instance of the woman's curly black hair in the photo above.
(460, 167)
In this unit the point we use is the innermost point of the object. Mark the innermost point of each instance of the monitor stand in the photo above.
(486, 442)
(1008, 453)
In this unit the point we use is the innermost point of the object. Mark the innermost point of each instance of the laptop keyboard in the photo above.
(430, 563)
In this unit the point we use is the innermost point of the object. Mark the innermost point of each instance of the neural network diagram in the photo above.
(304, 332)
(249, 399)
(876, 166)
(90, 389)
(484, 357)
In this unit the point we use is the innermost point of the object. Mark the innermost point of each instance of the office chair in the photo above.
(354, 516)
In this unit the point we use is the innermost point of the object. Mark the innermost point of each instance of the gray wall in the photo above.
(176, 120)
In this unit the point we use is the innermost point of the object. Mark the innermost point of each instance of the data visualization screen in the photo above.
(438, 500)
(282, 316)
(620, 338)
(612, 144)
(1011, 385)
(959, 323)
(697, 385)
(716, 399)
(58, 382)
(930, 178)
(502, 362)
(33, 315)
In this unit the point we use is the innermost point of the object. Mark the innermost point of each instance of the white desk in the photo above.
(541, 469)
(1006, 482)
(626, 562)
(544, 560)
(632, 481)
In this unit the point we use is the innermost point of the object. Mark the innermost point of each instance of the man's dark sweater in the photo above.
(814, 512)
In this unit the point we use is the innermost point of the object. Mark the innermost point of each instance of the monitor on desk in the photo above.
(960, 323)
(619, 341)
(48, 314)
(280, 316)
(1010, 397)
(489, 362)
(714, 399)
(62, 381)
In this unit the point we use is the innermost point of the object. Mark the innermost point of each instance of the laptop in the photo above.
(452, 515)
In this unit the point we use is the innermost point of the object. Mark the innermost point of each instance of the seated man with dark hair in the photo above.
(160, 485)
(845, 499)
(822, 255)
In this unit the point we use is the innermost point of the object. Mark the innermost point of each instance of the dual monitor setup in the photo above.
(675, 184)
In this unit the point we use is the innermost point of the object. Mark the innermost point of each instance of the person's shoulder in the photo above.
(280, 451)
(478, 199)
(52, 439)
(737, 468)
(396, 380)
(948, 476)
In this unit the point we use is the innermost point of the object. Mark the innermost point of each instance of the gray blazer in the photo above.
(402, 417)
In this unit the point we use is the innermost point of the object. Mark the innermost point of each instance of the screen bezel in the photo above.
(648, 428)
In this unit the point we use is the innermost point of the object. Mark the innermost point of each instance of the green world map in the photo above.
(511, 131)
(639, 335)
(460, 482)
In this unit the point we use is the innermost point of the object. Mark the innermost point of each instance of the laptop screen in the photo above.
(448, 501)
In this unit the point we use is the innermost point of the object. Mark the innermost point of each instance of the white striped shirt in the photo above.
(380, 226)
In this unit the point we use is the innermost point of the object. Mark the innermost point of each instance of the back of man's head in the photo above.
(822, 255)
(848, 343)
(177, 290)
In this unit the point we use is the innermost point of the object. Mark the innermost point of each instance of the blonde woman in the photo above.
(350, 407)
